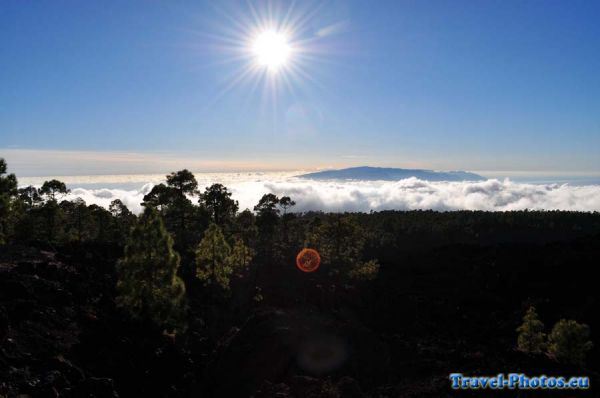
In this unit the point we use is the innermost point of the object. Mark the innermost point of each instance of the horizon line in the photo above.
(29, 162)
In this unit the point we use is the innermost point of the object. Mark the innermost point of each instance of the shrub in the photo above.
(569, 342)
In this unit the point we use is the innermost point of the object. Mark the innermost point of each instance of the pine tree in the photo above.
(8, 189)
(267, 219)
(245, 227)
(216, 261)
(51, 191)
(569, 342)
(216, 199)
(173, 202)
(212, 258)
(286, 203)
(240, 257)
(30, 197)
(181, 184)
(148, 285)
(121, 221)
(531, 337)
(78, 217)
(100, 225)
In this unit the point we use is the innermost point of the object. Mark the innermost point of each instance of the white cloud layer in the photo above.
(103, 197)
(490, 195)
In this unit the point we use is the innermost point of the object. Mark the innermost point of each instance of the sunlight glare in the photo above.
(271, 49)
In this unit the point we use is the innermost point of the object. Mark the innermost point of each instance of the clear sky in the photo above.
(475, 85)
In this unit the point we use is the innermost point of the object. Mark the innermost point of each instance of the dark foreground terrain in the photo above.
(442, 302)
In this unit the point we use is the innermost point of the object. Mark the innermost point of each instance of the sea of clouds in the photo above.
(411, 193)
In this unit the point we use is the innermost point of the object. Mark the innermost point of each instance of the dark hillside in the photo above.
(431, 311)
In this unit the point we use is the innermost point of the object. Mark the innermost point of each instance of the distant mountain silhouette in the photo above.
(391, 174)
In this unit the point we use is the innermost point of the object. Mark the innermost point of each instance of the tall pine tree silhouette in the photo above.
(148, 285)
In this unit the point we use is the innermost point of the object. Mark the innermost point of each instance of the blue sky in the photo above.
(476, 85)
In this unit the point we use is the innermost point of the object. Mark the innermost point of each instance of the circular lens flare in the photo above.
(271, 49)
(308, 260)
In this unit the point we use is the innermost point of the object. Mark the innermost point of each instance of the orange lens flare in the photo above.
(308, 260)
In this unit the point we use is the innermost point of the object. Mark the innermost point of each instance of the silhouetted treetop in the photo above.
(217, 200)
(183, 182)
(267, 204)
(158, 197)
(8, 182)
(53, 188)
(30, 196)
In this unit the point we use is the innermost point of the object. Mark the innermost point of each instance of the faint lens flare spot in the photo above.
(322, 354)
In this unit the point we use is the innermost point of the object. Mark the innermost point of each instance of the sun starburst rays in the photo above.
(269, 49)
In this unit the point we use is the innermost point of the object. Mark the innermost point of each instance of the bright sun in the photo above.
(271, 49)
